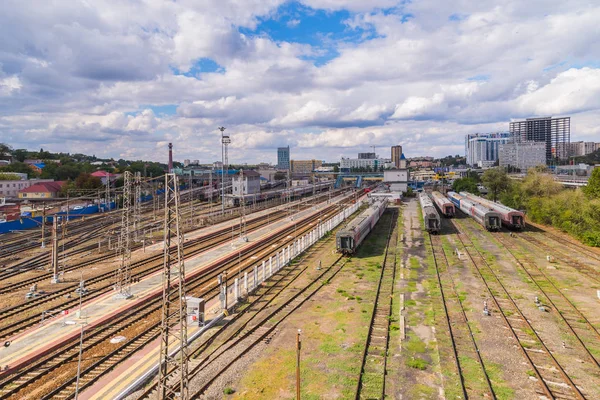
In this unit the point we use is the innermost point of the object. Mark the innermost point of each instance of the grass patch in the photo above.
(417, 363)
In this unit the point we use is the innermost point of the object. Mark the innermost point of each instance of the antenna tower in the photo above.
(174, 307)
(123, 279)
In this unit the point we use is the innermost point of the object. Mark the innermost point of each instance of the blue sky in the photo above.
(329, 78)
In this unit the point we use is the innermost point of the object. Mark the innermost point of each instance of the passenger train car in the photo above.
(511, 218)
(445, 206)
(486, 217)
(351, 236)
(431, 218)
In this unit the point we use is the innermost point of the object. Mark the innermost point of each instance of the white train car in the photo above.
(486, 217)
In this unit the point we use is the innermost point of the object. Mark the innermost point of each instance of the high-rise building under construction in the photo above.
(554, 132)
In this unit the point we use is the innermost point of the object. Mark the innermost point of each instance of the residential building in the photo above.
(366, 156)
(304, 166)
(283, 157)
(396, 154)
(481, 148)
(42, 190)
(582, 148)
(246, 182)
(37, 167)
(186, 163)
(523, 155)
(105, 176)
(10, 187)
(555, 133)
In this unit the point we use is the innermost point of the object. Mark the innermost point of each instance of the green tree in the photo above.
(87, 181)
(336, 168)
(5, 149)
(18, 167)
(20, 155)
(592, 190)
(465, 185)
(496, 180)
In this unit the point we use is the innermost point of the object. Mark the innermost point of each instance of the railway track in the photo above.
(371, 380)
(578, 325)
(570, 243)
(554, 381)
(261, 328)
(202, 285)
(262, 298)
(474, 384)
(103, 283)
(587, 270)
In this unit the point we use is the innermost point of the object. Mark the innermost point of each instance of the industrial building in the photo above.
(482, 149)
(283, 157)
(523, 155)
(555, 133)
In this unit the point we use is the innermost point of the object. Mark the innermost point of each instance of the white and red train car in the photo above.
(352, 235)
(445, 206)
(510, 217)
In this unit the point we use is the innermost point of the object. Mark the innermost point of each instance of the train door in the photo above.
(494, 222)
(449, 211)
(346, 243)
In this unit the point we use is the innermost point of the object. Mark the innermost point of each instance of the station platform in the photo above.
(42, 339)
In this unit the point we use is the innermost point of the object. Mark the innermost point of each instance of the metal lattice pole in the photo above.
(123, 278)
(173, 347)
(137, 205)
(243, 207)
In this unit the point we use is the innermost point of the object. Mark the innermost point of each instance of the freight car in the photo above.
(431, 218)
(511, 218)
(486, 217)
(445, 206)
(351, 236)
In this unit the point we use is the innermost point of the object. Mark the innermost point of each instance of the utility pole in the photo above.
(174, 305)
(137, 205)
(107, 194)
(191, 189)
(123, 276)
(55, 277)
(298, 346)
(243, 208)
(43, 224)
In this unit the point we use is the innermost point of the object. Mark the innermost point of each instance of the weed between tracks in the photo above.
(334, 332)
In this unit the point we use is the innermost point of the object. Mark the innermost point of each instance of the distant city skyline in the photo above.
(328, 78)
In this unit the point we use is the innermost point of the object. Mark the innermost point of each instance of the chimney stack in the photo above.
(170, 157)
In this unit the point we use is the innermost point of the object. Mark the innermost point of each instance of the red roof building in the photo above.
(42, 190)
